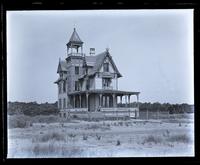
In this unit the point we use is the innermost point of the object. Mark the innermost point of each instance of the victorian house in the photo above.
(89, 83)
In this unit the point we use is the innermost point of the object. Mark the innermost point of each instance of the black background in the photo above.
(100, 4)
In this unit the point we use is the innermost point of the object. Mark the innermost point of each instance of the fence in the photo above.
(146, 115)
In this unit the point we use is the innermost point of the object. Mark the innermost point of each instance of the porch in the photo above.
(108, 102)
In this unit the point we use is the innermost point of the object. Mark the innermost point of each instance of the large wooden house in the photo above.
(89, 83)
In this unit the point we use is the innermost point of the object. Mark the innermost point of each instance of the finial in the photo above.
(107, 49)
(74, 26)
(59, 59)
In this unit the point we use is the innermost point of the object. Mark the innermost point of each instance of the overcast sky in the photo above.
(153, 50)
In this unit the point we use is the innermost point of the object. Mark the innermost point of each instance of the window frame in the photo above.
(77, 70)
(106, 67)
(76, 86)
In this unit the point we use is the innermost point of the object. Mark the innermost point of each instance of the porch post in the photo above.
(125, 100)
(121, 100)
(80, 100)
(74, 101)
(114, 101)
(137, 101)
(129, 100)
(87, 100)
(100, 96)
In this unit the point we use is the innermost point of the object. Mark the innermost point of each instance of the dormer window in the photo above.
(106, 67)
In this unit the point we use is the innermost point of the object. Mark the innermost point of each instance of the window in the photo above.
(106, 67)
(64, 86)
(64, 103)
(88, 84)
(76, 86)
(76, 70)
(106, 82)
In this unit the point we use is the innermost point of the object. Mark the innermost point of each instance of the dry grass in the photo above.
(49, 137)
(181, 138)
(56, 150)
(152, 139)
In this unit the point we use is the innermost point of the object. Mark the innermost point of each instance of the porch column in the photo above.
(100, 97)
(81, 50)
(125, 100)
(86, 100)
(129, 100)
(74, 101)
(105, 101)
(121, 100)
(114, 100)
(137, 101)
(80, 100)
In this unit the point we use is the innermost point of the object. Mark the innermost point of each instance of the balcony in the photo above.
(107, 75)
(76, 54)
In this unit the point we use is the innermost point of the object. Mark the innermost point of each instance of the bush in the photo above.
(118, 143)
(179, 138)
(98, 137)
(152, 139)
(50, 136)
(85, 137)
(18, 121)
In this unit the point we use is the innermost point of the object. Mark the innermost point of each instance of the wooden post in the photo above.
(129, 100)
(114, 102)
(125, 100)
(121, 100)
(80, 100)
(74, 101)
(87, 101)
(100, 95)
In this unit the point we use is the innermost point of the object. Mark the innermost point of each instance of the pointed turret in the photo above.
(74, 43)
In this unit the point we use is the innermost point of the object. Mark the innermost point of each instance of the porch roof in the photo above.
(105, 91)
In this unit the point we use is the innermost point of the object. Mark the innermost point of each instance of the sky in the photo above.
(152, 49)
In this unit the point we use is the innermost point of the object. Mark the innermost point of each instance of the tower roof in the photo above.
(75, 38)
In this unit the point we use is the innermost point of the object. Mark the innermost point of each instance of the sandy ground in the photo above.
(132, 138)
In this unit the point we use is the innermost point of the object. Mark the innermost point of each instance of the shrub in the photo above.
(50, 136)
(71, 135)
(179, 138)
(98, 137)
(85, 137)
(118, 143)
(18, 121)
(152, 139)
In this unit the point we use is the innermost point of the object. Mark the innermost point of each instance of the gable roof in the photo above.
(62, 66)
(75, 38)
(97, 62)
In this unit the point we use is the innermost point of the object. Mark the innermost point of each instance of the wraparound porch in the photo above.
(95, 100)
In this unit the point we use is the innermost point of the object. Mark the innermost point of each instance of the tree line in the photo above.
(34, 108)
(164, 107)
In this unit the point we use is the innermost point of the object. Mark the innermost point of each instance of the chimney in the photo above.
(92, 51)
